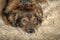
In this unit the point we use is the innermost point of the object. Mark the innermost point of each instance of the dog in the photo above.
(26, 14)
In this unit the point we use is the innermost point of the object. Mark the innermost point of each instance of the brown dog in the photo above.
(26, 14)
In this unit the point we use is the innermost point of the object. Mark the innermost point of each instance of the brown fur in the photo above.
(24, 14)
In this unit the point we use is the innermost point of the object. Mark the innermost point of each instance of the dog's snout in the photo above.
(30, 30)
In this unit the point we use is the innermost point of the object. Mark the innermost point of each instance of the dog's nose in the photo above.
(30, 30)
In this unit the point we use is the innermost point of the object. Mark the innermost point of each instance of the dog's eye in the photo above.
(24, 21)
(35, 21)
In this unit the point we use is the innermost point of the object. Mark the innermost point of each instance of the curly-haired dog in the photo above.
(26, 14)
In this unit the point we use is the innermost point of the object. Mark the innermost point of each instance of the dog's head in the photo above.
(30, 22)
